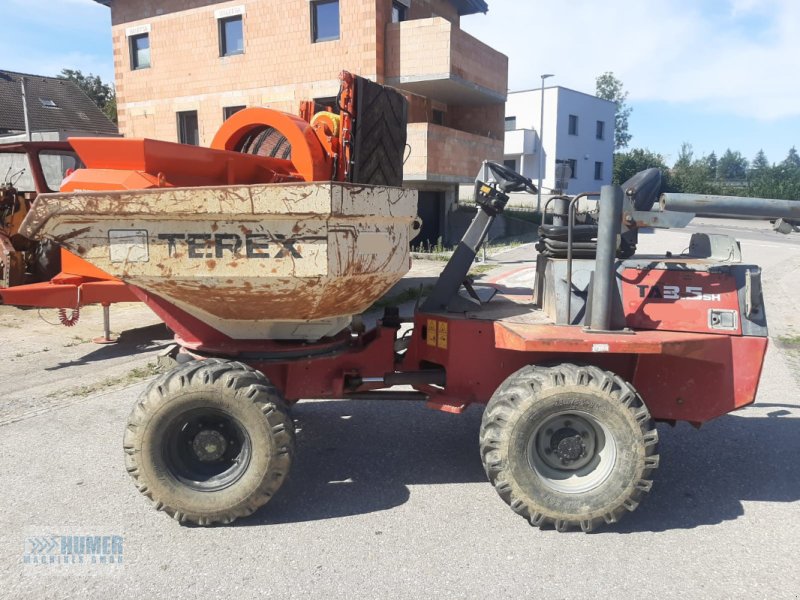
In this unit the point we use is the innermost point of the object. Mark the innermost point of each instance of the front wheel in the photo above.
(209, 441)
(567, 445)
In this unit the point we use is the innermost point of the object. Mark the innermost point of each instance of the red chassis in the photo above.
(690, 376)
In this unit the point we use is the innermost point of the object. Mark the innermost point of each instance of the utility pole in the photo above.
(541, 146)
(25, 108)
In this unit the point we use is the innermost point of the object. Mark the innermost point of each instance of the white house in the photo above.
(578, 132)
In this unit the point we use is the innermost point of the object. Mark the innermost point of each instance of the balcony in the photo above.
(520, 141)
(443, 155)
(434, 58)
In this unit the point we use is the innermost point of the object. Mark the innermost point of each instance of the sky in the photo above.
(716, 74)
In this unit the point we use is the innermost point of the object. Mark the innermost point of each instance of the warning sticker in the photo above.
(441, 340)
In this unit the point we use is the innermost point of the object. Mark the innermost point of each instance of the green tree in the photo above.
(610, 88)
(732, 166)
(760, 162)
(711, 164)
(627, 164)
(102, 94)
(792, 159)
(692, 175)
(685, 156)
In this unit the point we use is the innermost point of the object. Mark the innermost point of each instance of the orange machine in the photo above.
(256, 145)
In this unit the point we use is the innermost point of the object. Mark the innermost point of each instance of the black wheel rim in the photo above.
(207, 449)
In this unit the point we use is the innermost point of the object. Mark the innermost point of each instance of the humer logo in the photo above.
(62, 550)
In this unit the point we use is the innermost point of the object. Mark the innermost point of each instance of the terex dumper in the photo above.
(259, 251)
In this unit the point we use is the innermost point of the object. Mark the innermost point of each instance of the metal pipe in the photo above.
(427, 377)
(570, 226)
(107, 321)
(562, 214)
(560, 211)
(609, 227)
(731, 205)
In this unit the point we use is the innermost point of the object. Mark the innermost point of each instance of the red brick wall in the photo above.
(485, 119)
(279, 68)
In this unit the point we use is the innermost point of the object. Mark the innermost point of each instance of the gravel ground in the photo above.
(390, 499)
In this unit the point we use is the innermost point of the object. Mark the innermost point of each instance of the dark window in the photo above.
(327, 104)
(598, 170)
(437, 117)
(510, 163)
(573, 124)
(398, 12)
(229, 111)
(601, 130)
(140, 51)
(573, 166)
(231, 36)
(511, 123)
(188, 130)
(325, 20)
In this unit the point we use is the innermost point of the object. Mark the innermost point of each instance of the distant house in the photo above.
(57, 109)
(578, 133)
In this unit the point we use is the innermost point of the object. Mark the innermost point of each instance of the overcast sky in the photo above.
(714, 73)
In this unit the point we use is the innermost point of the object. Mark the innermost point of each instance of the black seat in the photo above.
(580, 233)
(553, 241)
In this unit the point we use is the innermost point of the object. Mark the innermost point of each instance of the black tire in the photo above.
(568, 446)
(209, 441)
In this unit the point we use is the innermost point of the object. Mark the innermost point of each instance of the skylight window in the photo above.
(48, 103)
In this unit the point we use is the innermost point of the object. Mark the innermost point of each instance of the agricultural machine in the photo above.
(41, 273)
(260, 252)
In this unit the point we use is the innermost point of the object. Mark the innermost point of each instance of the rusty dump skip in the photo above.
(271, 261)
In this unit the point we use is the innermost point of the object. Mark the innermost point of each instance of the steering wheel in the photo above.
(509, 180)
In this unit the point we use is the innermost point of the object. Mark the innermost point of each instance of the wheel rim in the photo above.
(572, 452)
(207, 449)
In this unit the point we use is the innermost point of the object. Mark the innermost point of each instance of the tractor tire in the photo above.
(568, 446)
(209, 441)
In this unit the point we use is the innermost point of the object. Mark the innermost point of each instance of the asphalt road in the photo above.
(390, 500)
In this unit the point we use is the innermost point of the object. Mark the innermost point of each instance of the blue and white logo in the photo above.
(65, 550)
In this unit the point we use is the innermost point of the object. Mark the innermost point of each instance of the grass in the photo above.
(405, 295)
(123, 380)
(428, 248)
(478, 270)
(75, 341)
(789, 341)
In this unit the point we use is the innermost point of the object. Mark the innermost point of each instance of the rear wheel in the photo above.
(568, 446)
(209, 441)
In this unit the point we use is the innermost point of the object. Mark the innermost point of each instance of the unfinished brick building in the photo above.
(183, 66)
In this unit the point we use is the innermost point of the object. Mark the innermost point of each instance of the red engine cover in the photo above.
(679, 300)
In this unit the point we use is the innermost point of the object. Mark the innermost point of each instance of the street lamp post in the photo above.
(541, 146)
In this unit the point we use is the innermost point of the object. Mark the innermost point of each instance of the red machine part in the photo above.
(677, 300)
(317, 148)
(682, 375)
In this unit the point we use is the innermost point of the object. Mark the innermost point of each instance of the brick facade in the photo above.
(281, 66)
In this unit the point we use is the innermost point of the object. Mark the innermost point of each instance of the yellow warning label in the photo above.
(431, 333)
(442, 337)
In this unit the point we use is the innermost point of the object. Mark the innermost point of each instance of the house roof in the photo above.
(53, 105)
(465, 7)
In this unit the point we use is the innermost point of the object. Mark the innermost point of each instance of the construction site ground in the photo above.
(390, 499)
